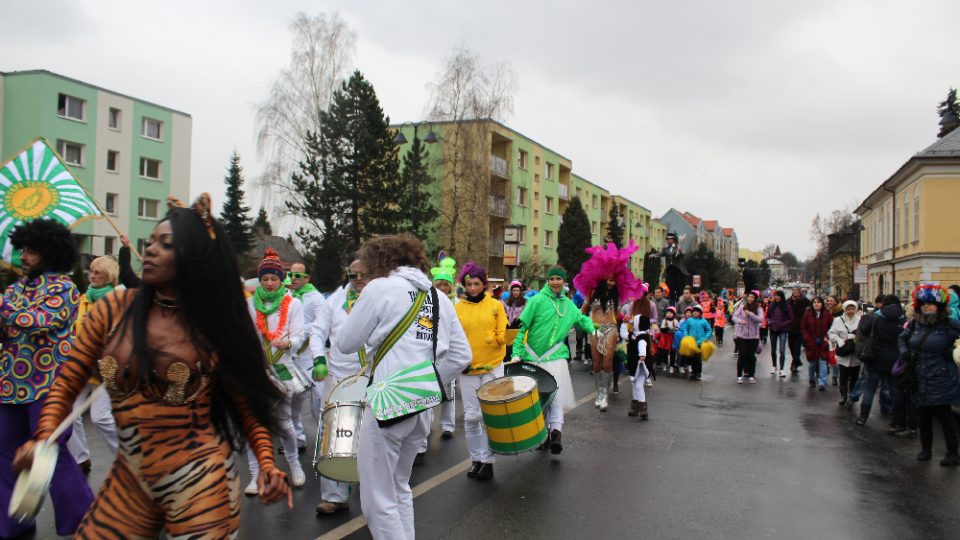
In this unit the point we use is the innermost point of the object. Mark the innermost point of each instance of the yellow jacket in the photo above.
(485, 323)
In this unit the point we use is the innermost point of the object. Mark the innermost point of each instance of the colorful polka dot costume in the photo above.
(37, 319)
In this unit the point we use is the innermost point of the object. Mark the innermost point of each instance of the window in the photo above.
(916, 214)
(148, 208)
(536, 160)
(580, 194)
(522, 162)
(113, 159)
(113, 119)
(906, 220)
(536, 231)
(549, 171)
(522, 196)
(522, 234)
(593, 227)
(150, 168)
(536, 179)
(110, 203)
(71, 107)
(549, 208)
(151, 129)
(594, 200)
(536, 196)
(108, 245)
(71, 152)
(547, 238)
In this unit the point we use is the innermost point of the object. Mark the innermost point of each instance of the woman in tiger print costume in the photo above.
(183, 366)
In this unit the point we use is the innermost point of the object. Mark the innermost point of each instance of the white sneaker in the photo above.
(773, 371)
(297, 478)
(739, 380)
(752, 380)
(252, 488)
(648, 383)
(672, 370)
(783, 373)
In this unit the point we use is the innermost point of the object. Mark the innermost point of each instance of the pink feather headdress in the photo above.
(610, 262)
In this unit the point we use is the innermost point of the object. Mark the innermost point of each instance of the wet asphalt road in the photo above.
(715, 460)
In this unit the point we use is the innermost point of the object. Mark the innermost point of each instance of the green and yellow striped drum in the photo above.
(512, 414)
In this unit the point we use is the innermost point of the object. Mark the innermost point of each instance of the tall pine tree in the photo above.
(949, 111)
(234, 215)
(573, 238)
(261, 226)
(359, 164)
(415, 198)
(615, 227)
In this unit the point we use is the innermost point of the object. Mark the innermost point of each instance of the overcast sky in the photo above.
(756, 113)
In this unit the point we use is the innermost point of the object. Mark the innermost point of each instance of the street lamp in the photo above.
(429, 139)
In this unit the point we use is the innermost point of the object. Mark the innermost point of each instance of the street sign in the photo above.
(860, 272)
(510, 254)
(696, 280)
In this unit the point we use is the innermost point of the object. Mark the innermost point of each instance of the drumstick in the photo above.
(511, 362)
(77, 411)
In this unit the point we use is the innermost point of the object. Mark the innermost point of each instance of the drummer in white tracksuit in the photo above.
(312, 302)
(396, 266)
(333, 367)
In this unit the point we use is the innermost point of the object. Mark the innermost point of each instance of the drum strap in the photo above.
(541, 358)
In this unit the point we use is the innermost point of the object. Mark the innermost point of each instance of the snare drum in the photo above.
(512, 414)
(335, 453)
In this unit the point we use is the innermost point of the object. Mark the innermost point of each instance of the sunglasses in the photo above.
(355, 275)
(297, 275)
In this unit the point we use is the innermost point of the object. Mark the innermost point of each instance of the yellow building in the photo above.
(750, 255)
(909, 231)
(658, 234)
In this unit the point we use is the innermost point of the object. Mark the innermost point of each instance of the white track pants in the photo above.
(102, 417)
(385, 462)
(288, 439)
(477, 442)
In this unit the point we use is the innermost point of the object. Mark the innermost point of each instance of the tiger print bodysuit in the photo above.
(173, 472)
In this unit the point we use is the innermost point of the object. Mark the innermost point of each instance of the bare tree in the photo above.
(465, 96)
(820, 229)
(768, 250)
(320, 56)
(529, 268)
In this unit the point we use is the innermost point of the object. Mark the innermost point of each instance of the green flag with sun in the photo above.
(36, 184)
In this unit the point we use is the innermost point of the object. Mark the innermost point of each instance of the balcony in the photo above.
(564, 191)
(499, 208)
(498, 166)
(496, 247)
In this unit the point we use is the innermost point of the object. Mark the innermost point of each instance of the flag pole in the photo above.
(90, 196)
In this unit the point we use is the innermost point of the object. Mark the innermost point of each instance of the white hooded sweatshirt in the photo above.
(329, 325)
(381, 307)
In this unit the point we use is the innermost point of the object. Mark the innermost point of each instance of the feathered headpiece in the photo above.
(926, 293)
(607, 263)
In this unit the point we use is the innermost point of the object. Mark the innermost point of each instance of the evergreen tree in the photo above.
(415, 197)
(261, 226)
(359, 164)
(573, 238)
(234, 215)
(714, 272)
(615, 227)
(949, 111)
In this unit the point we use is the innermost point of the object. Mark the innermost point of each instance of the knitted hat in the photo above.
(446, 271)
(472, 270)
(516, 283)
(557, 271)
(270, 264)
(849, 303)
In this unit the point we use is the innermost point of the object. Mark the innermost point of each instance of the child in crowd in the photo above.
(719, 321)
(666, 352)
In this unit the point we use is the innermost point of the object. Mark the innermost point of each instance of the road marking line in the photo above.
(359, 522)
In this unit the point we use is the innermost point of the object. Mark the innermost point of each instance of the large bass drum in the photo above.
(338, 438)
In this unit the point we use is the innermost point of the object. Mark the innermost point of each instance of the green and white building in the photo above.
(130, 154)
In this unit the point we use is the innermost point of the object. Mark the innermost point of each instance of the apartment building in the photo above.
(130, 154)
(908, 233)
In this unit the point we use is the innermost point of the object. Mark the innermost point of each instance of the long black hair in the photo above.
(214, 310)
(606, 295)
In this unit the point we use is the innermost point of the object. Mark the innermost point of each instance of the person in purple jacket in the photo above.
(746, 320)
(779, 321)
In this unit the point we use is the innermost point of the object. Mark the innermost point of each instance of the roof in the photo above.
(948, 145)
(947, 148)
(728, 231)
(288, 254)
(77, 81)
(710, 225)
(691, 219)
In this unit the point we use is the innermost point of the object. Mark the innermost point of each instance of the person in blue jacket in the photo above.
(701, 330)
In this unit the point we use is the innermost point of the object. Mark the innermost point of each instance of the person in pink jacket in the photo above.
(747, 319)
